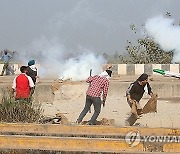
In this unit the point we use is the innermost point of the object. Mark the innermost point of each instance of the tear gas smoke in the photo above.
(56, 61)
(164, 33)
(77, 68)
(58, 51)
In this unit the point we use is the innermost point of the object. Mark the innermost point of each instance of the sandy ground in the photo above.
(70, 101)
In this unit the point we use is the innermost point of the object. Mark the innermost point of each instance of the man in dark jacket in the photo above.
(134, 94)
(32, 70)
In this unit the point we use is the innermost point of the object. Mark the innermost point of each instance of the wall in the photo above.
(137, 69)
(127, 69)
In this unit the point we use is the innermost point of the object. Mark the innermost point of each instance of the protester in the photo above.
(134, 94)
(23, 85)
(98, 84)
(32, 70)
(6, 58)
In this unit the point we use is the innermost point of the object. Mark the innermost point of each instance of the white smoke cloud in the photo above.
(77, 68)
(55, 61)
(62, 51)
(165, 34)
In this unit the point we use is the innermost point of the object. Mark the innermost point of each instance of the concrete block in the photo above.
(122, 69)
(174, 68)
(1, 67)
(139, 69)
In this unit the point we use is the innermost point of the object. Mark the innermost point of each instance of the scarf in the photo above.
(104, 74)
(33, 67)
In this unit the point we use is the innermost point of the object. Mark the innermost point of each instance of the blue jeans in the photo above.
(96, 101)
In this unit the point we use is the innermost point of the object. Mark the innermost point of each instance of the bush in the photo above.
(19, 111)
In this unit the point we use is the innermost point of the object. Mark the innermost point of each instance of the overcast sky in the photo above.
(98, 25)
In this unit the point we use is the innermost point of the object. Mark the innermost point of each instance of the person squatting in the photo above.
(134, 94)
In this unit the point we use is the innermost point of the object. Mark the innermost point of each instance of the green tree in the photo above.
(146, 52)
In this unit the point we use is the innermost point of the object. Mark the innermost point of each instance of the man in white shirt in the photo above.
(23, 85)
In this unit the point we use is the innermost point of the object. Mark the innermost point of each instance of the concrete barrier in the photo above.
(92, 139)
(44, 93)
(78, 130)
(137, 69)
(126, 69)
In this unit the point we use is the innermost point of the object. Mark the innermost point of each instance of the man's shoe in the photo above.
(127, 123)
(77, 122)
(89, 123)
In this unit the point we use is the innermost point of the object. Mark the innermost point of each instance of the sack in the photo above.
(136, 108)
(151, 105)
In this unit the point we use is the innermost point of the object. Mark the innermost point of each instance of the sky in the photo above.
(97, 25)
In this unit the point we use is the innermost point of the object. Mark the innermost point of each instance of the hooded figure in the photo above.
(32, 70)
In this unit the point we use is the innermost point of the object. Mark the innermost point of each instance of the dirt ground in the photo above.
(117, 109)
(70, 99)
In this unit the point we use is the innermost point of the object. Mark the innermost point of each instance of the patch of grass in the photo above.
(12, 110)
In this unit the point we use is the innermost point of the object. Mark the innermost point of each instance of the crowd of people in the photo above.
(24, 86)
(24, 83)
